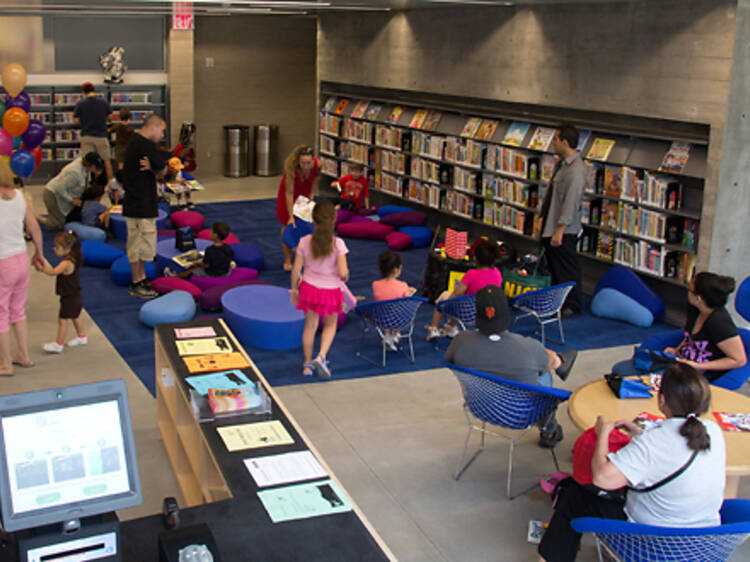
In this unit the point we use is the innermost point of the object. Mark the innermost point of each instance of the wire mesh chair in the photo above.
(507, 404)
(392, 315)
(633, 542)
(463, 309)
(545, 305)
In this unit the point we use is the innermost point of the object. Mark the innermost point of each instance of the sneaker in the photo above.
(168, 272)
(143, 292)
(78, 340)
(53, 347)
(389, 342)
(322, 367)
(567, 359)
(133, 289)
(433, 333)
(145, 282)
(549, 440)
(451, 331)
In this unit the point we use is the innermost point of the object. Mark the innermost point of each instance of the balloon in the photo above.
(6, 143)
(15, 121)
(22, 163)
(14, 78)
(37, 154)
(2, 108)
(22, 100)
(35, 133)
(17, 142)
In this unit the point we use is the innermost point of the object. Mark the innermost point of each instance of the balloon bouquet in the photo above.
(20, 137)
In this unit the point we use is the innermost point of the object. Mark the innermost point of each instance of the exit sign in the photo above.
(182, 15)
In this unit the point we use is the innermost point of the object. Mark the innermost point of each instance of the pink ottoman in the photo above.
(168, 284)
(193, 219)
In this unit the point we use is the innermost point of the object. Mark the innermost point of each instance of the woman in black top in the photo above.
(711, 343)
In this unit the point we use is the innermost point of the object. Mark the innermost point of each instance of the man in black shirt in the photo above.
(143, 160)
(92, 113)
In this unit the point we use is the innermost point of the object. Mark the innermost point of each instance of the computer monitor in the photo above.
(65, 454)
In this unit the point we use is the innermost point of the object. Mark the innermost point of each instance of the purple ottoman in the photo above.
(165, 285)
(210, 300)
(371, 230)
(237, 274)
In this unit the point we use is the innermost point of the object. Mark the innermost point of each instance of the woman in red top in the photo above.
(301, 177)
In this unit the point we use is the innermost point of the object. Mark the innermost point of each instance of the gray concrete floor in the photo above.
(393, 440)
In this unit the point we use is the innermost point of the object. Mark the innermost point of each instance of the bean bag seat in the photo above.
(85, 232)
(421, 236)
(247, 254)
(262, 316)
(237, 274)
(210, 300)
(166, 285)
(357, 218)
(390, 209)
(119, 271)
(611, 303)
(365, 211)
(120, 229)
(371, 230)
(205, 234)
(629, 283)
(165, 233)
(344, 215)
(407, 218)
(98, 254)
(742, 299)
(193, 219)
(398, 241)
(339, 322)
(292, 233)
(177, 306)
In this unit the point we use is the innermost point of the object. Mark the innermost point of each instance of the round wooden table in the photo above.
(596, 398)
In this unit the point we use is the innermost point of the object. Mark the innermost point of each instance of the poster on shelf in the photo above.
(471, 127)
(359, 109)
(486, 130)
(676, 157)
(395, 115)
(542, 138)
(516, 133)
(600, 149)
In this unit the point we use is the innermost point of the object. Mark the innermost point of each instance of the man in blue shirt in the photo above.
(92, 114)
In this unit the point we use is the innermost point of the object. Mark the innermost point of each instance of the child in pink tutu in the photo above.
(318, 291)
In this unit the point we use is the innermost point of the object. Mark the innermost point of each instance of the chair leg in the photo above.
(508, 492)
(360, 355)
(461, 468)
(541, 325)
(560, 326)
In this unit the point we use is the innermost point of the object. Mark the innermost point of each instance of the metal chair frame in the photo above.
(545, 305)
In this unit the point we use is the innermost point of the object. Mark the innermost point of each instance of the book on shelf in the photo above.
(610, 214)
(595, 212)
(605, 246)
(674, 196)
(600, 149)
(359, 109)
(547, 166)
(341, 106)
(676, 157)
(394, 115)
(373, 110)
(687, 267)
(612, 187)
(672, 265)
(628, 183)
(542, 138)
(516, 133)
(674, 230)
(330, 103)
(471, 127)
(583, 138)
(690, 233)
(418, 120)
(432, 120)
(486, 130)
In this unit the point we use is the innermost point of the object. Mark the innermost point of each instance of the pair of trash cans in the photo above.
(237, 161)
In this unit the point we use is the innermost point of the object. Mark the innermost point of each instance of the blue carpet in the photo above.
(116, 313)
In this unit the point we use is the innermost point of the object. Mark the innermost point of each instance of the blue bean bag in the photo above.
(119, 271)
(742, 299)
(247, 254)
(177, 306)
(293, 233)
(85, 232)
(611, 303)
(390, 209)
(98, 254)
(629, 283)
(421, 236)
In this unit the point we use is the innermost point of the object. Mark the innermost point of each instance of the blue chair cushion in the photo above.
(85, 232)
(629, 283)
(386, 210)
(742, 299)
(177, 306)
(292, 234)
(119, 271)
(421, 236)
(99, 254)
(247, 254)
(610, 303)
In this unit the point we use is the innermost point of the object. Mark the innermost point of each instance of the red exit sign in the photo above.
(182, 15)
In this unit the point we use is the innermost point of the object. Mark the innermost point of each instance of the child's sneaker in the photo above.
(78, 340)
(433, 333)
(321, 367)
(390, 342)
(53, 347)
(451, 331)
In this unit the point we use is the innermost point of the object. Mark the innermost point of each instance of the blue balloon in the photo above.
(17, 142)
(22, 163)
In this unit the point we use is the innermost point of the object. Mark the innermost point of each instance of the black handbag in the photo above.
(184, 239)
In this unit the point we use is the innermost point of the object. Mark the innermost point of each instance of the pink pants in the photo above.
(14, 280)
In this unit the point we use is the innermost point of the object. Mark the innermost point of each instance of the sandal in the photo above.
(308, 369)
(6, 372)
(24, 365)
(322, 368)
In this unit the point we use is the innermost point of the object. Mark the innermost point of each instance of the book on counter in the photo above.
(600, 149)
(646, 420)
(359, 109)
(233, 400)
(516, 133)
(204, 346)
(733, 422)
(471, 127)
(215, 362)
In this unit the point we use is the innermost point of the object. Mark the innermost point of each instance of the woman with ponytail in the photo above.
(318, 292)
(674, 473)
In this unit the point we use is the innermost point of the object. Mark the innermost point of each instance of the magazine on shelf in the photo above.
(395, 115)
(341, 106)
(733, 422)
(432, 120)
(486, 130)
(583, 137)
(188, 258)
(471, 127)
(516, 133)
(372, 111)
(360, 108)
(330, 103)
(676, 157)
(542, 138)
(419, 116)
(600, 149)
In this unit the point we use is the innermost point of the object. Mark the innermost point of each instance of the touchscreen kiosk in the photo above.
(66, 455)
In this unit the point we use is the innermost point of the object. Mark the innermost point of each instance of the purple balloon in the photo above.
(22, 100)
(22, 163)
(34, 135)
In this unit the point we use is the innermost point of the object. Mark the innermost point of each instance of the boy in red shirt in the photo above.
(354, 188)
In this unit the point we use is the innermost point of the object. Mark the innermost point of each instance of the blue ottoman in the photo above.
(386, 210)
(177, 306)
(292, 234)
(99, 254)
(611, 303)
(85, 232)
(120, 229)
(119, 271)
(262, 316)
(629, 283)
(421, 236)
(247, 254)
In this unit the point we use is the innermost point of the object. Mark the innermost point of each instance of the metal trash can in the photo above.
(237, 151)
(266, 138)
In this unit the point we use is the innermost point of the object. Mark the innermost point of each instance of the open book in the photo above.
(188, 258)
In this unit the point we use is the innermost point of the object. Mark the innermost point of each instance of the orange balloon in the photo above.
(14, 78)
(15, 121)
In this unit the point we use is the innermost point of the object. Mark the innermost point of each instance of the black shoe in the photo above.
(570, 313)
(145, 282)
(549, 440)
(133, 289)
(567, 359)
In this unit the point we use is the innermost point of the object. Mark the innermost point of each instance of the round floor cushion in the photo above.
(390, 209)
(210, 300)
(85, 232)
(398, 241)
(164, 285)
(629, 283)
(237, 274)
(205, 234)
(177, 306)
(119, 271)
(98, 254)
(611, 303)
(247, 254)
(371, 230)
(193, 219)
(421, 236)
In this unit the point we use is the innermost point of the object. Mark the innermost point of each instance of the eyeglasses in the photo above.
(306, 151)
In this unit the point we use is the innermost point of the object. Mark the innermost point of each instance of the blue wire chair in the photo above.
(394, 314)
(633, 542)
(463, 309)
(507, 404)
(543, 304)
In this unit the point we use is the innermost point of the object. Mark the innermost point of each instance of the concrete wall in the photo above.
(670, 59)
(180, 69)
(253, 69)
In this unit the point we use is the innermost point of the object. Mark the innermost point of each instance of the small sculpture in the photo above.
(113, 65)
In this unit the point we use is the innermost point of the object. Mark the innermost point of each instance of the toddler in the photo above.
(116, 189)
(93, 212)
(68, 287)
(389, 287)
(176, 166)
(354, 188)
(217, 258)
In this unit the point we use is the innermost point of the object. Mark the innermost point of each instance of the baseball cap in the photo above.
(493, 313)
(87, 87)
(175, 163)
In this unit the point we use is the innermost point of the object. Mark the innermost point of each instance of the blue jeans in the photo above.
(549, 424)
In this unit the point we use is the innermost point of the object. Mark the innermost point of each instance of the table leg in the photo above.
(732, 487)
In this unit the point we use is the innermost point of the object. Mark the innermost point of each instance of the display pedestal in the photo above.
(96, 538)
